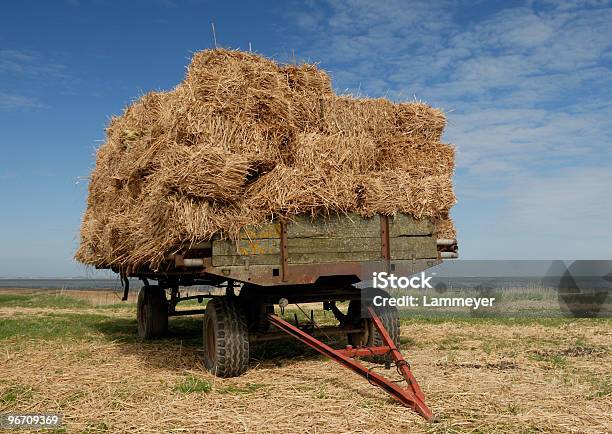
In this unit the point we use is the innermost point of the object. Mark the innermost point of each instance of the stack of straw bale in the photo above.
(243, 140)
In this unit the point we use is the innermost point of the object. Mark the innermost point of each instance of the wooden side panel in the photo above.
(263, 251)
(258, 245)
(328, 245)
(333, 239)
(337, 226)
(232, 260)
(323, 240)
(413, 248)
(263, 246)
(266, 230)
(320, 250)
(405, 225)
(323, 257)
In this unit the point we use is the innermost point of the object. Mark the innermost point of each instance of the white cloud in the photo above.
(12, 101)
(27, 64)
(23, 73)
(518, 81)
(528, 90)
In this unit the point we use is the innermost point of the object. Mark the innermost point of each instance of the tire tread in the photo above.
(232, 338)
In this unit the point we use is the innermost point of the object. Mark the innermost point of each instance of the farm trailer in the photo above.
(302, 260)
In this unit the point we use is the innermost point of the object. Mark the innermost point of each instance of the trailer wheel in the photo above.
(152, 312)
(226, 337)
(256, 310)
(369, 336)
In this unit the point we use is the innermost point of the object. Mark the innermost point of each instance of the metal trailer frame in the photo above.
(411, 396)
(302, 283)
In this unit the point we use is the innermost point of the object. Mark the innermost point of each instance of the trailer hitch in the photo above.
(411, 396)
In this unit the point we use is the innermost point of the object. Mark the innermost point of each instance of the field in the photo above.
(77, 353)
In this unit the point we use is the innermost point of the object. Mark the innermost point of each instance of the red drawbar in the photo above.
(411, 396)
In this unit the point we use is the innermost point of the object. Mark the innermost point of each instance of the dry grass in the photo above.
(479, 376)
(243, 140)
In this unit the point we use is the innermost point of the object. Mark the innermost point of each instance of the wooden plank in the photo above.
(413, 247)
(201, 245)
(301, 251)
(336, 238)
(333, 245)
(237, 260)
(405, 225)
(259, 232)
(323, 257)
(263, 231)
(246, 247)
(334, 226)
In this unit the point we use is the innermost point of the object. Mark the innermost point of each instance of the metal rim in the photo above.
(142, 310)
(210, 340)
(363, 337)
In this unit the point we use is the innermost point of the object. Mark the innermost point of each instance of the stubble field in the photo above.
(78, 354)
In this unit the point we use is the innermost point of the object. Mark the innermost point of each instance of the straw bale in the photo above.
(416, 156)
(382, 117)
(445, 228)
(356, 153)
(205, 173)
(311, 86)
(289, 191)
(243, 140)
(392, 191)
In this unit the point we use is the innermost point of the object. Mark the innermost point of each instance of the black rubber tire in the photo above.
(226, 337)
(356, 321)
(369, 335)
(152, 312)
(256, 311)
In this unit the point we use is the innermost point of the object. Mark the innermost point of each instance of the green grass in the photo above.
(556, 360)
(94, 326)
(193, 384)
(91, 327)
(67, 325)
(101, 326)
(95, 427)
(506, 321)
(42, 301)
(451, 342)
(241, 390)
(122, 305)
(602, 387)
(513, 408)
(73, 397)
(408, 341)
(13, 394)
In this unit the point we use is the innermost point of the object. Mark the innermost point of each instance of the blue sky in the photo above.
(527, 87)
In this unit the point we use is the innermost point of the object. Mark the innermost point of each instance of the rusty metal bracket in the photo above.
(402, 366)
(349, 351)
(384, 237)
(384, 241)
(411, 397)
(284, 251)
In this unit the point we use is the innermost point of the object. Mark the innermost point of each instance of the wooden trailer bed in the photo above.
(302, 250)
